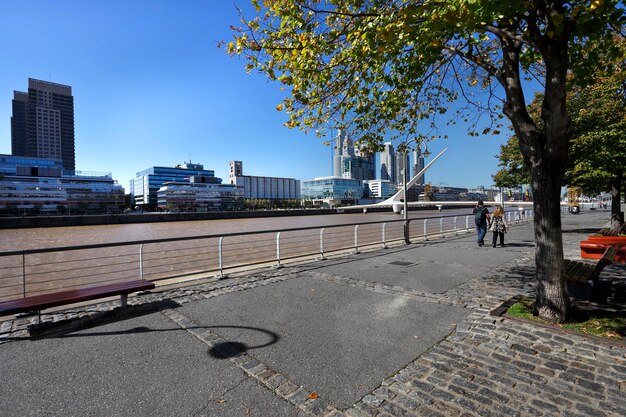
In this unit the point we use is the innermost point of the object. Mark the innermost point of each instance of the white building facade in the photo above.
(266, 188)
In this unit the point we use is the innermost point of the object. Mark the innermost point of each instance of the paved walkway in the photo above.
(396, 332)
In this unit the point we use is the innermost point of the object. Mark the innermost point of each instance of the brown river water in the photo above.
(37, 238)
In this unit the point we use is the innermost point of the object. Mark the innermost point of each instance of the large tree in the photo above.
(393, 66)
(597, 152)
(598, 148)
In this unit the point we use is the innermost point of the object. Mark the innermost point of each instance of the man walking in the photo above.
(481, 218)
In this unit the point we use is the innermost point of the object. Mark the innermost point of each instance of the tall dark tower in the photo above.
(19, 144)
(42, 125)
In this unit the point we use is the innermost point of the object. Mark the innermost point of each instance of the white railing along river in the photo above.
(38, 271)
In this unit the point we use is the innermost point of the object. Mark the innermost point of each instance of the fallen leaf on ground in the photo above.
(313, 395)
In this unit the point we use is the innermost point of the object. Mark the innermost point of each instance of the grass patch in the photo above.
(601, 323)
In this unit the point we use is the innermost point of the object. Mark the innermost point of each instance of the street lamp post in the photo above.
(405, 180)
(406, 204)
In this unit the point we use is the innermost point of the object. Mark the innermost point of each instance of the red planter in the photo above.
(594, 248)
(607, 239)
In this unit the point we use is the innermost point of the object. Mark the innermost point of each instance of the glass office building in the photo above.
(332, 191)
(380, 188)
(40, 186)
(199, 197)
(145, 186)
(14, 165)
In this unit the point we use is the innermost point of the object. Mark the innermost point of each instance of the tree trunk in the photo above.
(552, 302)
(545, 153)
(617, 216)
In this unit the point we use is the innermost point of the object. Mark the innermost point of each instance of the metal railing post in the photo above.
(384, 243)
(356, 239)
(24, 273)
(441, 226)
(322, 244)
(467, 224)
(278, 265)
(425, 234)
(456, 232)
(141, 261)
(406, 232)
(219, 256)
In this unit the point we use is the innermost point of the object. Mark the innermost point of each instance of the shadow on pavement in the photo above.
(585, 231)
(221, 350)
(518, 245)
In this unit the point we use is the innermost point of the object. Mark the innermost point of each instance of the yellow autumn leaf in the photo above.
(279, 107)
(595, 4)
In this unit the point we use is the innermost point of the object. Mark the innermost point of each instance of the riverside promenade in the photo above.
(405, 331)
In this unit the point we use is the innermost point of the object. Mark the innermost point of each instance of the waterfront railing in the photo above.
(38, 271)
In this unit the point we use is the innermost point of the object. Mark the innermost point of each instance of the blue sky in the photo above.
(151, 88)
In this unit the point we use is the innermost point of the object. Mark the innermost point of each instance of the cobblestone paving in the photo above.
(489, 366)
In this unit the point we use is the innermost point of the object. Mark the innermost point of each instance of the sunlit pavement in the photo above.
(401, 332)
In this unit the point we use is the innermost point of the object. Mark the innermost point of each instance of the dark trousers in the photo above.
(495, 238)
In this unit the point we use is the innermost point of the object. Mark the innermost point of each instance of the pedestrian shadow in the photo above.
(519, 245)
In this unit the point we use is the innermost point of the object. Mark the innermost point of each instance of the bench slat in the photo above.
(578, 273)
(41, 302)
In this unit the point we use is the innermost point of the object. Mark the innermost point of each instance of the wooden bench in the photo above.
(579, 274)
(607, 231)
(41, 302)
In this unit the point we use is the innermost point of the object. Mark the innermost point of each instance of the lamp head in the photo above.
(426, 152)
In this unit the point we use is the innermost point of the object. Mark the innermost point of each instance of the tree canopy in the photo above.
(512, 171)
(597, 151)
(391, 68)
(598, 147)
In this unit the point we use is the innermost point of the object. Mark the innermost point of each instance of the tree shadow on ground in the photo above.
(584, 231)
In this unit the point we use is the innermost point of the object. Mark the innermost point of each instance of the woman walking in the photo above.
(498, 226)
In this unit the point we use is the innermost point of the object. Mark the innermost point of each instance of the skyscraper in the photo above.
(402, 161)
(340, 145)
(349, 162)
(42, 124)
(388, 163)
(418, 165)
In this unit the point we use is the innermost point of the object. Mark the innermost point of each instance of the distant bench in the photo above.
(607, 231)
(41, 302)
(579, 274)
